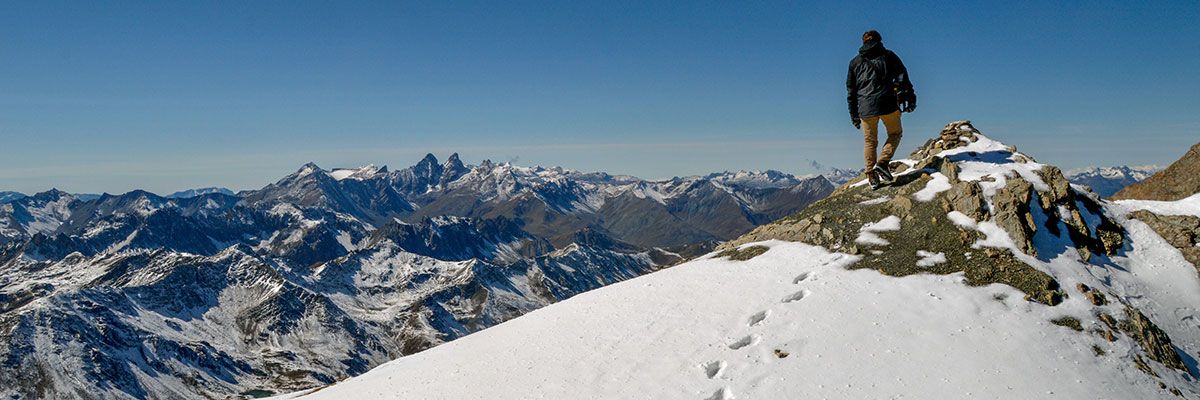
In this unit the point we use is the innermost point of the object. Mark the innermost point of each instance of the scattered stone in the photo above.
(744, 254)
(1070, 322)
(1108, 320)
(781, 353)
(1141, 365)
(1095, 296)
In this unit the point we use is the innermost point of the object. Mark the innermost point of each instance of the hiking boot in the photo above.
(873, 179)
(882, 170)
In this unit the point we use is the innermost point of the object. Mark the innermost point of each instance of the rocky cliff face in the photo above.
(966, 204)
(1181, 179)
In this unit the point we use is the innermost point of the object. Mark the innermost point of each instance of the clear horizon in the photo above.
(116, 96)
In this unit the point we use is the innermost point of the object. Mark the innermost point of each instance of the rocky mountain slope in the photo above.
(1181, 179)
(979, 273)
(325, 274)
(1106, 181)
(9, 196)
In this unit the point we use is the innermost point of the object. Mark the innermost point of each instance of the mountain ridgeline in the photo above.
(326, 274)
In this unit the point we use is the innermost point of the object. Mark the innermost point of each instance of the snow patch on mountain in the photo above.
(360, 173)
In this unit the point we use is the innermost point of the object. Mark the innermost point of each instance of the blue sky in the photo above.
(163, 96)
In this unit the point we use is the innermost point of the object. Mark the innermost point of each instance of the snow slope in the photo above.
(719, 329)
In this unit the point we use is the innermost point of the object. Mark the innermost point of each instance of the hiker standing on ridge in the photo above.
(877, 88)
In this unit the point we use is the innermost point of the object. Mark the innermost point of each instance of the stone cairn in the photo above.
(955, 134)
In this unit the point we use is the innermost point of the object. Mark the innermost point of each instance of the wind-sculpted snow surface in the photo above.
(979, 273)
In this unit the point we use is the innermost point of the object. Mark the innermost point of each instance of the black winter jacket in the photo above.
(870, 81)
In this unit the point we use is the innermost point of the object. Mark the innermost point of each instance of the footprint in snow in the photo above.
(800, 278)
(714, 368)
(758, 317)
(743, 342)
(796, 296)
(721, 394)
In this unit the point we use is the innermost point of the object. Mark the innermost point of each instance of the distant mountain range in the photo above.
(327, 273)
(1106, 181)
(199, 192)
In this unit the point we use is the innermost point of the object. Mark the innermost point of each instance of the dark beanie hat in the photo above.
(871, 35)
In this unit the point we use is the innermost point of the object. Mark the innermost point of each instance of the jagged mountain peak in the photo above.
(51, 195)
(308, 168)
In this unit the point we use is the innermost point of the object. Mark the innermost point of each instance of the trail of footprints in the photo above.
(714, 369)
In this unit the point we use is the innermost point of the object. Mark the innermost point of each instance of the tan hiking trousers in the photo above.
(870, 127)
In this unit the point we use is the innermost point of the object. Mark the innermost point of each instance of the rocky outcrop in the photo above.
(1010, 199)
(1180, 180)
(1156, 342)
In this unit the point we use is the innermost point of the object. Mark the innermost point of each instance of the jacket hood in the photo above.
(872, 49)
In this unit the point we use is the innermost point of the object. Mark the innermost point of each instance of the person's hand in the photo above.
(857, 122)
(909, 102)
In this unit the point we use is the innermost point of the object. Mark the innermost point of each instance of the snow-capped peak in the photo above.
(364, 172)
(758, 179)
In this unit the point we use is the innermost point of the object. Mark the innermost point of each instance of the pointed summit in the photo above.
(306, 169)
(452, 169)
(428, 163)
